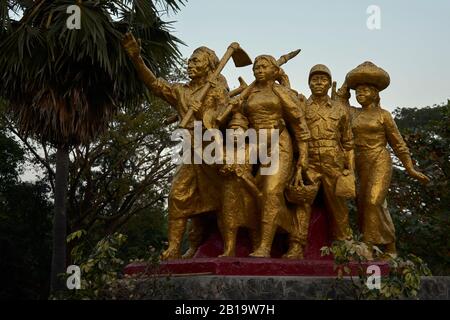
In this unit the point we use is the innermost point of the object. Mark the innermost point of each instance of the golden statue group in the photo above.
(324, 145)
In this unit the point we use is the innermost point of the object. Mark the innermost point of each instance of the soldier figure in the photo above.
(330, 152)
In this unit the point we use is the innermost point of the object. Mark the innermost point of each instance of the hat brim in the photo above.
(369, 75)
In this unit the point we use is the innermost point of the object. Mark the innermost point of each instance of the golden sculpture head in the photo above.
(202, 62)
(319, 80)
(368, 80)
(367, 94)
(265, 68)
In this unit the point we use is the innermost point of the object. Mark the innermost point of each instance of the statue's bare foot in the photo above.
(170, 254)
(294, 252)
(261, 253)
(189, 254)
(228, 253)
(368, 255)
(390, 251)
(388, 256)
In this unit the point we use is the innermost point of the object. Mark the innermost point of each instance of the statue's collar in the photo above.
(311, 100)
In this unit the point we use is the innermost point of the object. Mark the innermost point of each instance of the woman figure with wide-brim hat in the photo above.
(373, 128)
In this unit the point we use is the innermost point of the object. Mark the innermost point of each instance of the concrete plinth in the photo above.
(255, 288)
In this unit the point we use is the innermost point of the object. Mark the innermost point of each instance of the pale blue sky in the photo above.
(413, 44)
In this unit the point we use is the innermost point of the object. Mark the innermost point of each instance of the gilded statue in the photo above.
(321, 142)
(241, 197)
(330, 156)
(374, 129)
(195, 188)
(268, 105)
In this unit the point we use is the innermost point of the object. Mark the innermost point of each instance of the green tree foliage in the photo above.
(402, 281)
(63, 85)
(25, 241)
(10, 155)
(117, 182)
(120, 182)
(99, 267)
(422, 213)
(25, 227)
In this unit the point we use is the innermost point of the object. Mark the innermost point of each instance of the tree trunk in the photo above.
(60, 220)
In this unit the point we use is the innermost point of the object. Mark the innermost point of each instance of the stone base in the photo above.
(248, 266)
(255, 288)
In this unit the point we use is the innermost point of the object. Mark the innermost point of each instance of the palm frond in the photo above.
(63, 85)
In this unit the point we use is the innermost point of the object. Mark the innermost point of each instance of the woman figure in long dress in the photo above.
(373, 129)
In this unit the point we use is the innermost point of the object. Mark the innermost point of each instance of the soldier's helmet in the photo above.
(319, 68)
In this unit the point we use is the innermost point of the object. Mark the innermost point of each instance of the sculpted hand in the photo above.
(419, 176)
(213, 81)
(195, 105)
(344, 91)
(298, 177)
(348, 171)
(235, 103)
(283, 78)
(131, 46)
(226, 169)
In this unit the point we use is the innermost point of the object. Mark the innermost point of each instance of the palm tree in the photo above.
(63, 85)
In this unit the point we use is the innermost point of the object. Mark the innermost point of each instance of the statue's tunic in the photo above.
(195, 187)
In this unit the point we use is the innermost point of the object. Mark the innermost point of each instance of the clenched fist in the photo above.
(131, 46)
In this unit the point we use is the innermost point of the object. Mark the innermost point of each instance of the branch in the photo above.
(125, 218)
(43, 162)
(47, 160)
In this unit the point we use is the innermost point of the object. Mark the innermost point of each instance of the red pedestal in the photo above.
(249, 267)
(206, 259)
(318, 236)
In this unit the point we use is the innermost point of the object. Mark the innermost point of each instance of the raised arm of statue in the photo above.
(158, 86)
(347, 141)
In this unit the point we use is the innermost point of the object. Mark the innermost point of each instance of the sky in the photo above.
(412, 43)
